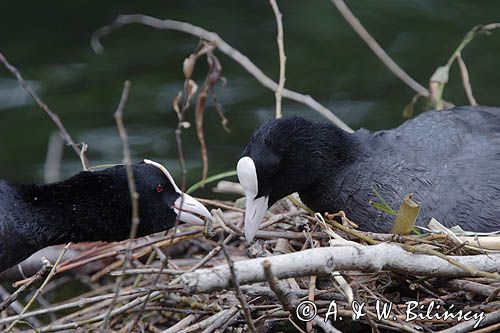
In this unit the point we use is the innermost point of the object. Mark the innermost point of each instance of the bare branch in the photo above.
(281, 49)
(35, 278)
(51, 274)
(236, 285)
(81, 302)
(323, 261)
(224, 47)
(55, 119)
(288, 300)
(98, 318)
(190, 89)
(465, 80)
(377, 49)
(127, 160)
(134, 196)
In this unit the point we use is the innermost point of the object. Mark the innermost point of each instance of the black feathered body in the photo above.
(449, 160)
(12, 228)
(90, 206)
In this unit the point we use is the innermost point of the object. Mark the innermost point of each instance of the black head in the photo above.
(283, 156)
(157, 195)
(158, 190)
(93, 206)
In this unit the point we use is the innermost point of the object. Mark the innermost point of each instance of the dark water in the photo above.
(49, 42)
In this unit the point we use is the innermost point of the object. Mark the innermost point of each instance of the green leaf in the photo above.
(210, 179)
(384, 205)
(383, 208)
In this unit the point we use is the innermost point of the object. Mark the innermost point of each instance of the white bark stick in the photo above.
(321, 261)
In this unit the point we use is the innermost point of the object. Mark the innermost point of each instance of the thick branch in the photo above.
(324, 260)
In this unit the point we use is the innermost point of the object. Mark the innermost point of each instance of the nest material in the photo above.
(183, 283)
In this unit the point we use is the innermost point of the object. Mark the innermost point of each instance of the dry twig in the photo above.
(281, 49)
(54, 117)
(236, 285)
(134, 196)
(35, 278)
(223, 46)
(377, 49)
(465, 80)
(51, 274)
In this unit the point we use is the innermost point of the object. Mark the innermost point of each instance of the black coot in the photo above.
(90, 206)
(449, 159)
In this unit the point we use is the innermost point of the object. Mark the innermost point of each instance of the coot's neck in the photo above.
(339, 146)
(86, 207)
(314, 154)
(327, 153)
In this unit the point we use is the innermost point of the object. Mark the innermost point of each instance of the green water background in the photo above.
(49, 42)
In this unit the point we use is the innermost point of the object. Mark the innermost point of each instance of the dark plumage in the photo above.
(90, 206)
(448, 159)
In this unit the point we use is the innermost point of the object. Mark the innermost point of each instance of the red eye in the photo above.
(159, 188)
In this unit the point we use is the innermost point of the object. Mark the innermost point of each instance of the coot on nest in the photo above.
(449, 159)
(90, 206)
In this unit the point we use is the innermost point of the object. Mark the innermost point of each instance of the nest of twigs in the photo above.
(204, 279)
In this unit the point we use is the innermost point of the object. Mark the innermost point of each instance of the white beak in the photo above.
(190, 209)
(256, 207)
